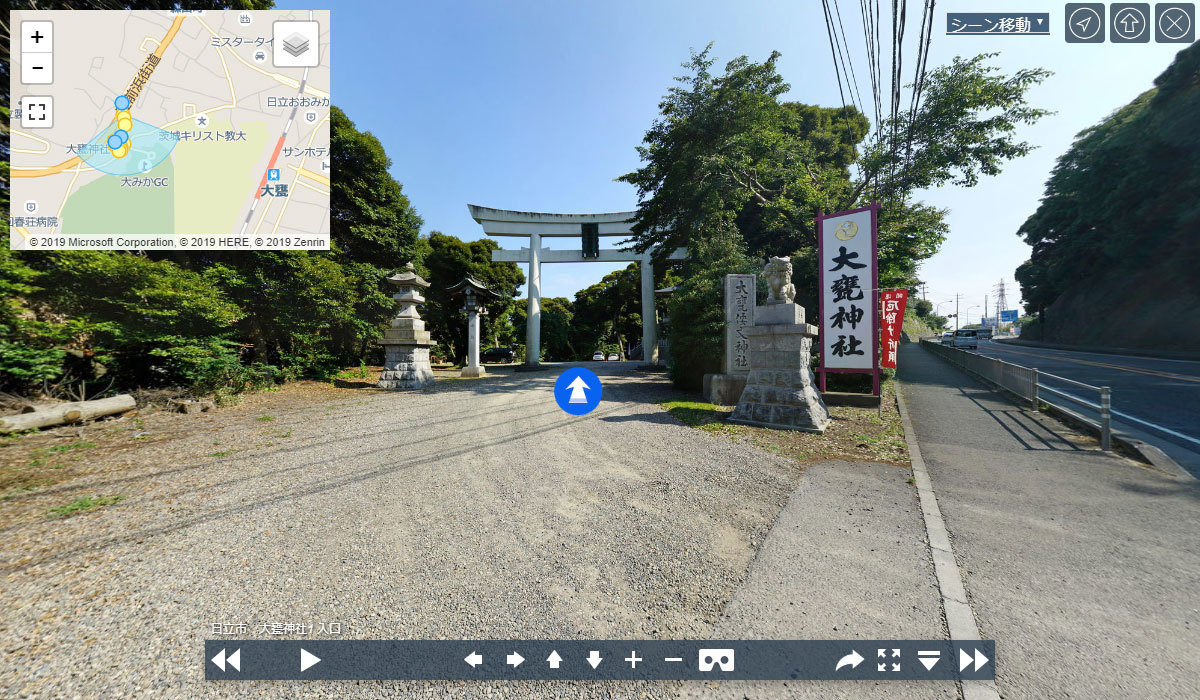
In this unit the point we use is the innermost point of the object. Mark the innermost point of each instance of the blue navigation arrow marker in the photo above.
(577, 391)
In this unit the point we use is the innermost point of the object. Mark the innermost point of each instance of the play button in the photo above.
(307, 660)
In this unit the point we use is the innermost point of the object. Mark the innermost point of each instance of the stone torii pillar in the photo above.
(475, 294)
(536, 225)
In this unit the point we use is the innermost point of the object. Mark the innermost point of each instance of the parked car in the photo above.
(947, 337)
(598, 356)
(965, 339)
(613, 357)
(497, 355)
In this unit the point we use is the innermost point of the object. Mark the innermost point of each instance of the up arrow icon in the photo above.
(578, 391)
(554, 659)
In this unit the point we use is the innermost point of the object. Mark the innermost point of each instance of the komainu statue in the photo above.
(780, 289)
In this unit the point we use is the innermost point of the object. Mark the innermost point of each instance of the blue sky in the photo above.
(539, 105)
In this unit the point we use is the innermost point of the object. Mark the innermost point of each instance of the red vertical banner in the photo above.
(891, 316)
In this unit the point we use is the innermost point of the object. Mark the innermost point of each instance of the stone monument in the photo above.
(725, 388)
(780, 388)
(406, 343)
(474, 295)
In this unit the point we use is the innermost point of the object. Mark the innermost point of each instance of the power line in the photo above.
(838, 10)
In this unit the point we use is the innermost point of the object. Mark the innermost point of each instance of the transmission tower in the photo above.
(1001, 299)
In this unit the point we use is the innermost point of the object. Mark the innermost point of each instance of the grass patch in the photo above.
(265, 419)
(83, 505)
(706, 416)
(222, 453)
(72, 446)
(854, 434)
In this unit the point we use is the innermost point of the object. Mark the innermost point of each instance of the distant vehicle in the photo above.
(613, 357)
(985, 333)
(497, 355)
(598, 356)
(964, 338)
(947, 337)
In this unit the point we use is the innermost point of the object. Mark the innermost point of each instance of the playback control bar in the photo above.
(586, 660)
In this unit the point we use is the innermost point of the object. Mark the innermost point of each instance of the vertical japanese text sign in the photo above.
(891, 313)
(739, 315)
(849, 278)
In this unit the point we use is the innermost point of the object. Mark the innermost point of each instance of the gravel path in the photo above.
(474, 510)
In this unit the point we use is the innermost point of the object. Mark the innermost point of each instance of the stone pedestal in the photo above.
(406, 343)
(781, 389)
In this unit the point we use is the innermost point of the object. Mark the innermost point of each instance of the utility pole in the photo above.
(983, 321)
(956, 311)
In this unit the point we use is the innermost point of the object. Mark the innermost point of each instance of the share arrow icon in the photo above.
(853, 659)
(578, 391)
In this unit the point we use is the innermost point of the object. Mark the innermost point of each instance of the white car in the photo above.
(947, 337)
(613, 357)
(966, 339)
(598, 357)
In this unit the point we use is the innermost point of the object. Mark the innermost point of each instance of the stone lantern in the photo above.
(406, 343)
(475, 295)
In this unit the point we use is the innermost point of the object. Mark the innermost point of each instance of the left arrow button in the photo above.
(474, 658)
(307, 660)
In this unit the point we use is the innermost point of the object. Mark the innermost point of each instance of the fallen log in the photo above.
(67, 413)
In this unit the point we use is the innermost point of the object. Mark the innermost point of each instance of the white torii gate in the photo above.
(535, 225)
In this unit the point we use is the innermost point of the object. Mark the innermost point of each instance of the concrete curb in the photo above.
(959, 618)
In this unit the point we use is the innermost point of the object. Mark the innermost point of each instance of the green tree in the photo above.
(146, 321)
(609, 312)
(557, 316)
(728, 155)
(445, 261)
(1121, 202)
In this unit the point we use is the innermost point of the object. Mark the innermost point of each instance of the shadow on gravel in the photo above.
(291, 493)
(1188, 489)
(659, 417)
(332, 442)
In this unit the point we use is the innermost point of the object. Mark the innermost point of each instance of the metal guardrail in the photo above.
(1026, 382)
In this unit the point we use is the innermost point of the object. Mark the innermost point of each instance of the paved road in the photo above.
(1156, 400)
(1083, 566)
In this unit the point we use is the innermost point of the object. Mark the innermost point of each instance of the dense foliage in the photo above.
(1121, 212)
(444, 261)
(735, 173)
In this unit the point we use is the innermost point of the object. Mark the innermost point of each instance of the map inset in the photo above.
(161, 129)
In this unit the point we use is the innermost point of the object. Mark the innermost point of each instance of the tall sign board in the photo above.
(847, 251)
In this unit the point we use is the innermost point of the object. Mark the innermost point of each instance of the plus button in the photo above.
(37, 36)
(633, 659)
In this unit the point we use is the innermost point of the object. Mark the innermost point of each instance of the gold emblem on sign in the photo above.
(846, 230)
